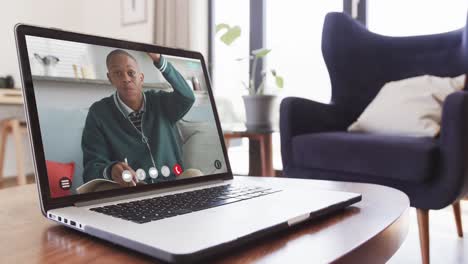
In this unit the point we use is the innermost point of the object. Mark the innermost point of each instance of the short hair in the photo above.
(118, 52)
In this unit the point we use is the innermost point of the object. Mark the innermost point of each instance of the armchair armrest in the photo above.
(301, 116)
(454, 146)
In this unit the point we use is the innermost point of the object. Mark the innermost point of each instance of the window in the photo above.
(415, 17)
(294, 33)
(228, 71)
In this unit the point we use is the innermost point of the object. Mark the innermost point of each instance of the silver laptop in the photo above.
(128, 147)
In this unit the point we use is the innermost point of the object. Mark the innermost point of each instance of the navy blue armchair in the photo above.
(315, 144)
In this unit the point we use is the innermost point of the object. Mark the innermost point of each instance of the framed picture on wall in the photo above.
(133, 12)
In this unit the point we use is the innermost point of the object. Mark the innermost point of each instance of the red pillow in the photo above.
(60, 177)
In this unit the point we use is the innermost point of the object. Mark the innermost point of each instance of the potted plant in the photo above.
(258, 105)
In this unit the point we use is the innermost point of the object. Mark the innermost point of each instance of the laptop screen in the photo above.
(114, 118)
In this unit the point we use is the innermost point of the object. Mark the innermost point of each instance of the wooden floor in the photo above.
(446, 246)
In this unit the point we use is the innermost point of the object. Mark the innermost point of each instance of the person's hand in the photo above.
(116, 174)
(155, 57)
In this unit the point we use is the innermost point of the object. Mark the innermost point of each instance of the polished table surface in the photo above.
(370, 231)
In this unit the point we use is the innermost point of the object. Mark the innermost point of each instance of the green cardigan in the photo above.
(110, 137)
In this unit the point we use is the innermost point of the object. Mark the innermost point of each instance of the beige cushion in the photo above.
(410, 107)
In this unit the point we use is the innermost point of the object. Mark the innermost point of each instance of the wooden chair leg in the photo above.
(21, 177)
(423, 224)
(458, 221)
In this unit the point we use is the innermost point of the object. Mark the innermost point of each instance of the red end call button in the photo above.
(177, 169)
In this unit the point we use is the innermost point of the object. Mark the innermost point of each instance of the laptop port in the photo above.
(60, 219)
(65, 221)
(72, 223)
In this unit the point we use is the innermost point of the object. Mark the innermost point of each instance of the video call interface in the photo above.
(114, 118)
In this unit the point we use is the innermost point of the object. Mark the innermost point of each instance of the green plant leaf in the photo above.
(245, 85)
(222, 26)
(261, 87)
(231, 35)
(259, 53)
(279, 81)
(251, 87)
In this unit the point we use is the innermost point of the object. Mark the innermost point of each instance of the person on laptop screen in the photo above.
(131, 136)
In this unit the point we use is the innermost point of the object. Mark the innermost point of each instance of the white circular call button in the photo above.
(153, 173)
(141, 174)
(126, 176)
(165, 171)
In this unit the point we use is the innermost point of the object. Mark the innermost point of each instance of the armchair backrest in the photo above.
(360, 62)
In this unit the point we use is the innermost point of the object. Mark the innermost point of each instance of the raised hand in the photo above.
(155, 56)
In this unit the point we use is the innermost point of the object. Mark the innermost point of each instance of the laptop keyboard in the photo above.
(152, 209)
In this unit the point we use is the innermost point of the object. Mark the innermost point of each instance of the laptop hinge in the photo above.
(135, 195)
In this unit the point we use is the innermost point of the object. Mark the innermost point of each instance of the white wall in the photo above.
(199, 30)
(50, 13)
(87, 16)
(103, 18)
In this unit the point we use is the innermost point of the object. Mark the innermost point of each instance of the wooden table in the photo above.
(371, 231)
(260, 150)
(11, 96)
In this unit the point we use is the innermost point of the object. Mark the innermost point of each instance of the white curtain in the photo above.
(181, 24)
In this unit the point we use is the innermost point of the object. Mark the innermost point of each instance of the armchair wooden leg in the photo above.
(423, 224)
(458, 221)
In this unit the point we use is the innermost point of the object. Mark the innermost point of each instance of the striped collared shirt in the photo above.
(134, 116)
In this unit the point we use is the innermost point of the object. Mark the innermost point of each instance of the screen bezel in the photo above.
(47, 202)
